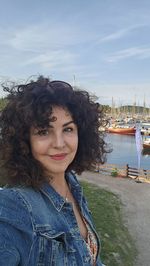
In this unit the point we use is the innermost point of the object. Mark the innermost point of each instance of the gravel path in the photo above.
(136, 209)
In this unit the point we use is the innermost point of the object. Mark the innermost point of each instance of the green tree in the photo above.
(3, 102)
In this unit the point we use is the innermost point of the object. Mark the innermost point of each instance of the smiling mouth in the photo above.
(58, 157)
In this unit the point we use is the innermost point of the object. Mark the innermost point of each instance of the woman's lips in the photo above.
(58, 157)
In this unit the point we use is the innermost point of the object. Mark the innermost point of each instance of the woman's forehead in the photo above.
(58, 114)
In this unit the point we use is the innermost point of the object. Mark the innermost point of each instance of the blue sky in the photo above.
(101, 45)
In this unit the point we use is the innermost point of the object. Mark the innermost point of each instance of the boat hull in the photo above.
(122, 131)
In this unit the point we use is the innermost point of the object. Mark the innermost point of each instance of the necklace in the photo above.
(66, 196)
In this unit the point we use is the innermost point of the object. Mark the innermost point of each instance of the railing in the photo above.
(109, 168)
(124, 171)
(137, 173)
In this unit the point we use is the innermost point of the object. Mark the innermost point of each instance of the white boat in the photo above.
(145, 128)
(146, 143)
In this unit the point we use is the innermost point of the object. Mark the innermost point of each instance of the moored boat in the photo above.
(145, 129)
(146, 143)
(122, 130)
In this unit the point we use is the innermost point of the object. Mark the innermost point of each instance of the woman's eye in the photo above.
(68, 129)
(42, 132)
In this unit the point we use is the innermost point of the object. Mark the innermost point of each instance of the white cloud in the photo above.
(46, 36)
(51, 59)
(121, 33)
(116, 35)
(5, 36)
(138, 52)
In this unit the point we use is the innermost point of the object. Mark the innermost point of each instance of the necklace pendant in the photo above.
(66, 199)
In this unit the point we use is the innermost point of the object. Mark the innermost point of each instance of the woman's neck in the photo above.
(59, 183)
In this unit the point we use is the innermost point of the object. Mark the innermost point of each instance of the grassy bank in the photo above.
(117, 246)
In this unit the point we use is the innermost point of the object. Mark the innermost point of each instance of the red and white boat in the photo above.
(122, 130)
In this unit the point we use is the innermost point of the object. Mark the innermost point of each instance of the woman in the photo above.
(49, 132)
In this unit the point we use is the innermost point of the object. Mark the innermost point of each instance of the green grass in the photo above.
(117, 247)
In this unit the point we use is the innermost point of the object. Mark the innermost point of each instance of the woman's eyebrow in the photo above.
(64, 125)
(68, 123)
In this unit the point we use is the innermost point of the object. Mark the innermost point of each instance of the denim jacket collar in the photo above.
(57, 200)
(75, 187)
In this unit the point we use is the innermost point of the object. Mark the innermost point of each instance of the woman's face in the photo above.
(55, 147)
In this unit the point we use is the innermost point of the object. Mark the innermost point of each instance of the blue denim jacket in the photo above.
(39, 227)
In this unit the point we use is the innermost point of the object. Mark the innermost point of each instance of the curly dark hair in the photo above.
(31, 105)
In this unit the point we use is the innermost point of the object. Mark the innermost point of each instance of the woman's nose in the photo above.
(58, 141)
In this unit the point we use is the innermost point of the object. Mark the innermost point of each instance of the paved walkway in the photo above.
(136, 209)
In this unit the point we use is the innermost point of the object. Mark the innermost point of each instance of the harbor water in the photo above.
(124, 152)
